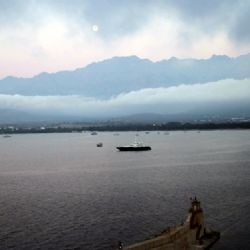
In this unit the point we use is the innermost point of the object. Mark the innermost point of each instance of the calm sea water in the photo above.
(59, 191)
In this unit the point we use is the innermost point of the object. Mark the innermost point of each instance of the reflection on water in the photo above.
(60, 191)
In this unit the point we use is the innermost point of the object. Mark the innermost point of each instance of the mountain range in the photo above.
(132, 89)
(124, 74)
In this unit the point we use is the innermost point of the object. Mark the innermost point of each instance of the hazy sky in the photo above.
(54, 35)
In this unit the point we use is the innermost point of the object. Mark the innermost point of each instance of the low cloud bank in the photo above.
(173, 100)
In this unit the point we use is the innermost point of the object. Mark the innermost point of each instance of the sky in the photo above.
(53, 35)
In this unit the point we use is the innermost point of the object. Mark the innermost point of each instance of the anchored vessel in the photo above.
(136, 146)
(190, 235)
(6, 136)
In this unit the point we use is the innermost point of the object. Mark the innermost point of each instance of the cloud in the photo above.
(38, 36)
(172, 100)
(123, 17)
(114, 17)
(240, 29)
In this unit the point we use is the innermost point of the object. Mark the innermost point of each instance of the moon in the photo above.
(95, 28)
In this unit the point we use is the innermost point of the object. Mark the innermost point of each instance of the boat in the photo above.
(94, 133)
(99, 145)
(136, 146)
(6, 136)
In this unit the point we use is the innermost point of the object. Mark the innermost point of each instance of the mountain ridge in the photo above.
(117, 75)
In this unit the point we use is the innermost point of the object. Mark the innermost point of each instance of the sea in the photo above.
(61, 191)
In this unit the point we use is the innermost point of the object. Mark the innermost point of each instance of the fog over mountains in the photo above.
(129, 85)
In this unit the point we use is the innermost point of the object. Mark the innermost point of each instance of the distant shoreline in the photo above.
(171, 126)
